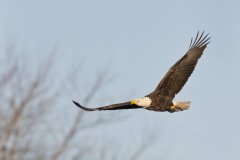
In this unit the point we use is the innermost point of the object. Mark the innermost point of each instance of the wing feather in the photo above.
(179, 73)
(126, 105)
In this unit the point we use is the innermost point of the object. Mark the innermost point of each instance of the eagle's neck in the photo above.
(145, 102)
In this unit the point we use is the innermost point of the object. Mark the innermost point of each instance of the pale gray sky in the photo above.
(140, 40)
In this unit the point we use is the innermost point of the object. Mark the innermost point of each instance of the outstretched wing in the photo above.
(126, 105)
(179, 73)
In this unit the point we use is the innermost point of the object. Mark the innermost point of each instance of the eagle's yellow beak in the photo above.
(133, 102)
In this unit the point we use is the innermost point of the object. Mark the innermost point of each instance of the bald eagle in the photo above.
(161, 99)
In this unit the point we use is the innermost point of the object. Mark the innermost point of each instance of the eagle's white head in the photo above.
(142, 102)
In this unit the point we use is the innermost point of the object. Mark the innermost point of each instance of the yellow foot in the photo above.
(176, 108)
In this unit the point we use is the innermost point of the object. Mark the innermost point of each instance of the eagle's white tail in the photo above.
(180, 106)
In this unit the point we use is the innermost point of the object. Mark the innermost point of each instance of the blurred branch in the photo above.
(5, 78)
(99, 82)
(19, 107)
(146, 142)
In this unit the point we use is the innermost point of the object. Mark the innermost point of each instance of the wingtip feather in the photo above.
(84, 108)
(200, 41)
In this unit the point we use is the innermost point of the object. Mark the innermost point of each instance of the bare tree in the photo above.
(27, 95)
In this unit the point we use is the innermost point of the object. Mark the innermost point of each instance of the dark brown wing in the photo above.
(179, 73)
(126, 105)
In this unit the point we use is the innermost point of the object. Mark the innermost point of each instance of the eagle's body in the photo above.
(159, 102)
(161, 99)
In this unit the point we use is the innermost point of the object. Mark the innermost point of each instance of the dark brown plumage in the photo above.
(161, 99)
(179, 73)
(126, 105)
